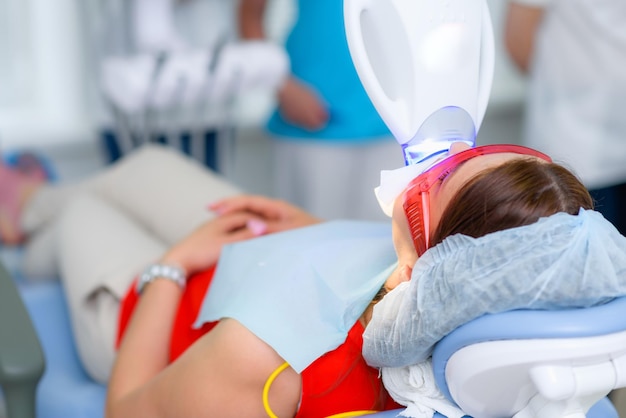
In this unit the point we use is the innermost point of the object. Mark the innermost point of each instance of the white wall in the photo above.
(503, 120)
(42, 91)
(43, 77)
(508, 85)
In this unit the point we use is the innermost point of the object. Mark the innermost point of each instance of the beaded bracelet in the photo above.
(161, 271)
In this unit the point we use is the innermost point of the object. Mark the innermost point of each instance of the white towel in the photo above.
(415, 387)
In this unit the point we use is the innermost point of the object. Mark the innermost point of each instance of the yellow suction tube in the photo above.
(271, 414)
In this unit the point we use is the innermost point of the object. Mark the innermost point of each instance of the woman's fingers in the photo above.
(235, 222)
(257, 227)
(262, 206)
(274, 215)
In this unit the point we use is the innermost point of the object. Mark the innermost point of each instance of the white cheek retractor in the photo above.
(427, 66)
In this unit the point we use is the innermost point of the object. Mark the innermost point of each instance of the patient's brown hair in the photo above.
(515, 193)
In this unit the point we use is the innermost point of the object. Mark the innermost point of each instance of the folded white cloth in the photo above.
(394, 182)
(414, 387)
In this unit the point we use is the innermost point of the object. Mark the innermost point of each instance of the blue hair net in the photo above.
(561, 261)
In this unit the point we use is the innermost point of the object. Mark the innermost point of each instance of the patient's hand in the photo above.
(278, 215)
(201, 249)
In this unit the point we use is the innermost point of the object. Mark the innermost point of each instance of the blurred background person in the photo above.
(574, 52)
(174, 77)
(329, 144)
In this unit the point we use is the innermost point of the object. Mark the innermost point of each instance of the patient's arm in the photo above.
(522, 24)
(144, 351)
(241, 217)
(201, 249)
(223, 375)
(278, 215)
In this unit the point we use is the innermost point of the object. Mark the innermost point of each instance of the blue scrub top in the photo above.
(319, 55)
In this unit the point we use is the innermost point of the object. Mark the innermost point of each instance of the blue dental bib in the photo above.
(302, 290)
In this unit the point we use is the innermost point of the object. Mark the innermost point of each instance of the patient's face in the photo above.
(440, 196)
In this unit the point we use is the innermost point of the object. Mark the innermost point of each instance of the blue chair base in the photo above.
(602, 409)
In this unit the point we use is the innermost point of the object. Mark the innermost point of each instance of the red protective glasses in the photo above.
(416, 198)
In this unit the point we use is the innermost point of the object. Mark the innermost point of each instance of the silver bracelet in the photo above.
(162, 271)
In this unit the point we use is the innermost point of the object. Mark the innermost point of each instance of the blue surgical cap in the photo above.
(561, 261)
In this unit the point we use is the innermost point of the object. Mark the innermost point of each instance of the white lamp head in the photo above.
(427, 66)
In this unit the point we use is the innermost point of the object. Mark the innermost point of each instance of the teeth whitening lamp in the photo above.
(427, 66)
